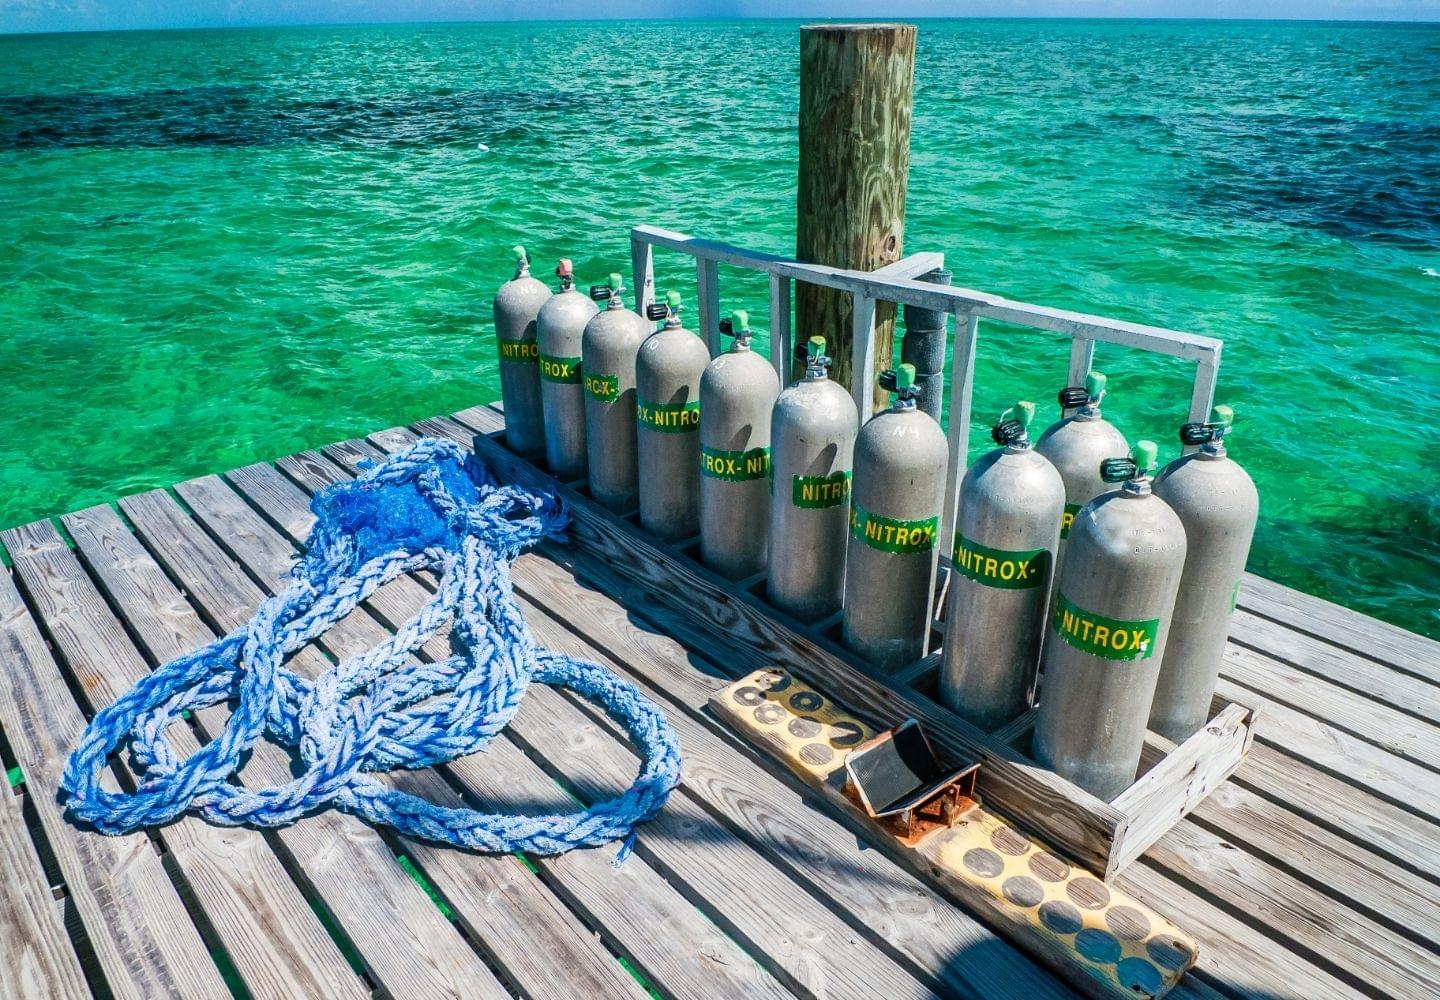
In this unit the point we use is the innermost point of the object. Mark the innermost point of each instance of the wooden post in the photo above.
(856, 89)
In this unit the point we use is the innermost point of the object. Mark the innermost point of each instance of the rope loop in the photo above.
(431, 507)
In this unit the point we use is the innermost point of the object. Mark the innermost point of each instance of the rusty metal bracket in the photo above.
(900, 783)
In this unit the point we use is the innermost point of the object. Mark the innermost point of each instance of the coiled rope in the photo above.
(432, 506)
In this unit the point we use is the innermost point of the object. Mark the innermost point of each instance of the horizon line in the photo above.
(255, 25)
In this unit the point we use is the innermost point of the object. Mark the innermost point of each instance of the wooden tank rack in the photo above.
(1311, 872)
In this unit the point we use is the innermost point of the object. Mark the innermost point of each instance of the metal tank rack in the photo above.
(1173, 779)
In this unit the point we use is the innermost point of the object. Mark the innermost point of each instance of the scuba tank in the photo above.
(1076, 445)
(1107, 634)
(667, 417)
(900, 460)
(812, 433)
(559, 325)
(737, 393)
(1006, 534)
(1217, 503)
(517, 303)
(607, 363)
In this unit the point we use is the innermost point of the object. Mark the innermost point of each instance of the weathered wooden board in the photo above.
(133, 914)
(626, 904)
(266, 925)
(879, 897)
(403, 940)
(1108, 945)
(36, 956)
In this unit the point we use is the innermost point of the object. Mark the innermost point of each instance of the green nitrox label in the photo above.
(1108, 638)
(604, 388)
(519, 352)
(564, 370)
(1068, 518)
(818, 492)
(669, 418)
(889, 534)
(735, 466)
(999, 568)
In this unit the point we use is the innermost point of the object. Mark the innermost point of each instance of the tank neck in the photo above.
(815, 373)
(1212, 450)
(567, 285)
(1019, 446)
(614, 302)
(1137, 487)
(902, 404)
(1088, 412)
(740, 345)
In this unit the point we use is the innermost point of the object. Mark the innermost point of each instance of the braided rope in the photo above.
(432, 506)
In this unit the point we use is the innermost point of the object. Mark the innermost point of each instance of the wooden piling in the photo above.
(856, 94)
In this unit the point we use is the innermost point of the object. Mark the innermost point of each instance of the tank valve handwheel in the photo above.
(1073, 397)
(657, 311)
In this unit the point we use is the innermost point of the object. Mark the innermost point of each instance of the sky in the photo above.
(103, 15)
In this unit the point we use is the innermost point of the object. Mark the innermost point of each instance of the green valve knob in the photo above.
(1145, 453)
(905, 377)
(1222, 415)
(1024, 411)
(816, 347)
(520, 255)
(615, 281)
(1095, 384)
(672, 299)
(740, 321)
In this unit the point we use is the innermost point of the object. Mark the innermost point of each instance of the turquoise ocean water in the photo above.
(223, 246)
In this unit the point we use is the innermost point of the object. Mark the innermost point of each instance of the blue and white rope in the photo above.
(432, 506)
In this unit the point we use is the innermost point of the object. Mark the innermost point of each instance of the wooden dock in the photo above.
(1312, 873)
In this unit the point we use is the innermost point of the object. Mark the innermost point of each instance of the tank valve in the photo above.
(610, 292)
(737, 325)
(1134, 469)
(669, 310)
(817, 362)
(901, 381)
(1211, 433)
(1013, 427)
(522, 261)
(565, 271)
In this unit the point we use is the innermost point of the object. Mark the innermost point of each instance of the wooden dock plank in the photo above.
(627, 904)
(1407, 651)
(798, 938)
(1310, 906)
(37, 958)
(405, 943)
(943, 941)
(1358, 674)
(133, 915)
(264, 922)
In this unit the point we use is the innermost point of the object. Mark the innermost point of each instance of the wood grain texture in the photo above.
(37, 959)
(627, 904)
(878, 897)
(144, 939)
(263, 920)
(856, 97)
(406, 945)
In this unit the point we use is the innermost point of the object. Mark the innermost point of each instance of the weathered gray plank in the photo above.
(36, 956)
(799, 939)
(406, 944)
(541, 946)
(1415, 654)
(1359, 674)
(1075, 822)
(1393, 731)
(264, 922)
(878, 895)
(626, 905)
(133, 916)
(1307, 912)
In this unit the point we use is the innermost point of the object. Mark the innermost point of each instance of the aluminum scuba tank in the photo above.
(1216, 501)
(517, 304)
(1107, 633)
(607, 363)
(899, 485)
(1006, 534)
(812, 434)
(559, 325)
(667, 417)
(1076, 445)
(737, 393)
